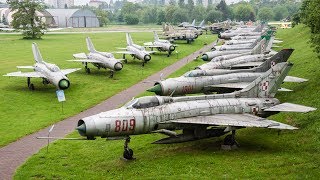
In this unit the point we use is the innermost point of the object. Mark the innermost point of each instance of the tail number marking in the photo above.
(125, 125)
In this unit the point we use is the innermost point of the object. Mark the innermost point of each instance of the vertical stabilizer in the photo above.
(193, 23)
(268, 83)
(201, 24)
(36, 53)
(280, 57)
(260, 47)
(90, 45)
(129, 39)
(156, 37)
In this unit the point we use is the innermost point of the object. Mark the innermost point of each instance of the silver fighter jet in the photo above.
(192, 83)
(50, 73)
(198, 116)
(99, 59)
(135, 51)
(161, 45)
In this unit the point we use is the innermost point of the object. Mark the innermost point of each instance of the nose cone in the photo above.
(81, 128)
(205, 57)
(64, 84)
(156, 89)
(172, 48)
(118, 66)
(147, 57)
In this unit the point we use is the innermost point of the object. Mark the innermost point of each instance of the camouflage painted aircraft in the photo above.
(186, 24)
(161, 45)
(180, 34)
(98, 59)
(135, 51)
(199, 117)
(50, 73)
(194, 82)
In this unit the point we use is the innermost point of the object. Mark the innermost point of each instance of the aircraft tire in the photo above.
(88, 70)
(31, 87)
(229, 140)
(128, 154)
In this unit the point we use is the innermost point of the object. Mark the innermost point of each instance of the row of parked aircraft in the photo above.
(52, 74)
(245, 96)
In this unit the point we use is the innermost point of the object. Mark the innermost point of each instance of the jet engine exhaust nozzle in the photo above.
(81, 128)
(118, 66)
(64, 84)
(147, 57)
(205, 57)
(172, 48)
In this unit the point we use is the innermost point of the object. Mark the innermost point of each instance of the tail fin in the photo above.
(36, 53)
(129, 39)
(268, 83)
(193, 23)
(156, 37)
(280, 57)
(90, 45)
(259, 48)
(201, 24)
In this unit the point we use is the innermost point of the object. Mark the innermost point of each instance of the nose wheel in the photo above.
(112, 74)
(127, 152)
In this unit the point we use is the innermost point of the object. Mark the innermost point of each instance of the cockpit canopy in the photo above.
(52, 67)
(147, 102)
(143, 102)
(194, 73)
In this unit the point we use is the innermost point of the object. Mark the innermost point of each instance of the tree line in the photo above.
(155, 12)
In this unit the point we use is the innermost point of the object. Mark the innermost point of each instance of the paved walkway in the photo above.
(16, 153)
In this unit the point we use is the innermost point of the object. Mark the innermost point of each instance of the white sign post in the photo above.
(61, 97)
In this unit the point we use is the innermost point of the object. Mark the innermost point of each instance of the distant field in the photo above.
(23, 112)
(263, 153)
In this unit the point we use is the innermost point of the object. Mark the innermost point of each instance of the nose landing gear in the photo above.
(127, 153)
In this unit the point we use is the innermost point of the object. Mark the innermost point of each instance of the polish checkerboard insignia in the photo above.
(265, 86)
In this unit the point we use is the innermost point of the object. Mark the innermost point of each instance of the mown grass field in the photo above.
(263, 153)
(23, 111)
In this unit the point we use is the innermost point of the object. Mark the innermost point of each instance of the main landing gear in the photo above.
(86, 68)
(112, 73)
(229, 142)
(124, 57)
(127, 153)
(30, 85)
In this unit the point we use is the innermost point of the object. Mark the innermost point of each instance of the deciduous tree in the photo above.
(26, 18)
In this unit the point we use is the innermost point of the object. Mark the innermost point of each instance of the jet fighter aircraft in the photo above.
(192, 83)
(99, 59)
(180, 34)
(161, 45)
(198, 116)
(50, 73)
(135, 51)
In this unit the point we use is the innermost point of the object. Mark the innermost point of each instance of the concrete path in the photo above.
(16, 153)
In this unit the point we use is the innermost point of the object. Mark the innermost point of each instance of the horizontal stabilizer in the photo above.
(86, 60)
(25, 67)
(121, 48)
(68, 71)
(294, 79)
(80, 56)
(289, 107)
(285, 90)
(124, 52)
(25, 74)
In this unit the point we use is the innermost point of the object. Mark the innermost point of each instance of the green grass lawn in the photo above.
(23, 112)
(264, 154)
